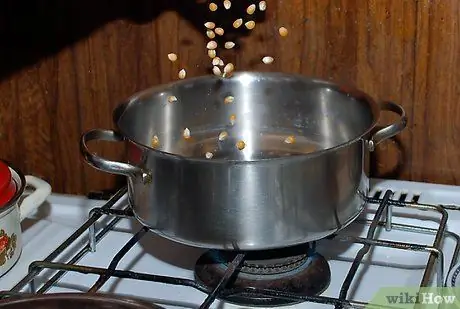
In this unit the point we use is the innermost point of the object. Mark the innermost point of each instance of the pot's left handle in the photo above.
(391, 130)
(36, 198)
(114, 167)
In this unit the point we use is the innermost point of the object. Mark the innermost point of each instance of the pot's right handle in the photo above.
(391, 130)
(102, 164)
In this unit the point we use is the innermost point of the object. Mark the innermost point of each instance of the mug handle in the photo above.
(391, 130)
(36, 198)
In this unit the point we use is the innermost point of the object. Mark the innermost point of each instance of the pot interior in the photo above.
(273, 114)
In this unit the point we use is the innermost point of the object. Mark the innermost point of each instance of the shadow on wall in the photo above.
(34, 29)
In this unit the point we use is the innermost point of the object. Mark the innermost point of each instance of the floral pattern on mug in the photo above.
(7, 246)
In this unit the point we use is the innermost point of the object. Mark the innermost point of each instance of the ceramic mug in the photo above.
(13, 211)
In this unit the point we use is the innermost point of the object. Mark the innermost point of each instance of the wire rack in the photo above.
(382, 218)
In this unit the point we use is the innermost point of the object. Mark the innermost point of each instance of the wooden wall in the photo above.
(64, 65)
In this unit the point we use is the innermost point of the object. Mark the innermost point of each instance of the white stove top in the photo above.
(62, 215)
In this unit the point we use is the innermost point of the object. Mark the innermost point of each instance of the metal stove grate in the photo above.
(383, 217)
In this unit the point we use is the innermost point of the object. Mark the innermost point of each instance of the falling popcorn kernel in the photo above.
(182, 74)
(229, 45)
(290, 139)
(262, 6)
(227, 4)
(216, 61)
(209, 155)
(251, 9)
(186, 134)
(267, 60)
(172, 57)
(232, 119)
(228, 69)
(219, 31)
(210, 25)
(210, 34)
(237, 23)
(283, 31)
(155, 142)
(216, 71)
(250, 24)
(223, 136)
(212, 53)
(240, 145)
(229, 99)
(172, 99)
(211, 45)
(213, 7)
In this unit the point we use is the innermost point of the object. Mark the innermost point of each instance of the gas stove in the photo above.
(407, 236)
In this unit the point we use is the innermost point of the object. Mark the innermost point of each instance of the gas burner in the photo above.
(299, 270)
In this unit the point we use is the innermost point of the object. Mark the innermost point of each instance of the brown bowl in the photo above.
(73, 301)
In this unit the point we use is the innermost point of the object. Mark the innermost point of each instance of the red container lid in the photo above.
(7, 184)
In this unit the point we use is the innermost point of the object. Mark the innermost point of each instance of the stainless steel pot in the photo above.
(271, 194)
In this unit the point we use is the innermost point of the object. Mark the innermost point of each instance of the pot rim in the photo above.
(16, 173)
(98, 298)
(346, 90)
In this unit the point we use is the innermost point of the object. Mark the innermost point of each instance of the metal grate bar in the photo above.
(72, 238)
(123, 274)
(113, 265)
(77, 257)
(231, 270)
(365, 249)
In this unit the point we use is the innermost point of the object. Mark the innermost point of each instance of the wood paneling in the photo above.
(64, 65)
